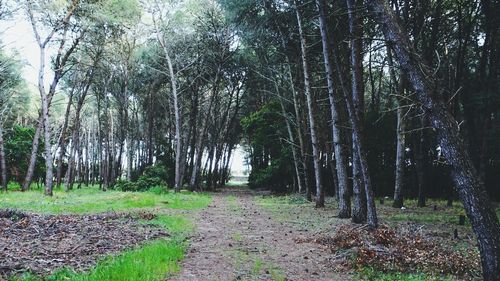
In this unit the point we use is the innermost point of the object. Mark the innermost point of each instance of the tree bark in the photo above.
(62, 141)
(470, 188)
(3, 165)
(320, 196)
(339, 148)
(400, 133)
(355, 107)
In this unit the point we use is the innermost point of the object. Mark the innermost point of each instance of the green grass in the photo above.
(151, 262)
(427, 215)
(293, 199)
(233, 204)
(176, 225)
(92, 200)
(234, 183)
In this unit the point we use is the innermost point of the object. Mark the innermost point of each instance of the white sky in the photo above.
(17, 36)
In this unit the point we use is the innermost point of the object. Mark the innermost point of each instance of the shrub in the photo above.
(153, 176)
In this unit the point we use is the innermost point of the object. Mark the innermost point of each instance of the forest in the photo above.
(249, 140)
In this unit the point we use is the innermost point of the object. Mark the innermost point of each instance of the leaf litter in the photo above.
(396, 250)
(41, 244)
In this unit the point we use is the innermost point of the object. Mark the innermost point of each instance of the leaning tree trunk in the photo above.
(340, 150)
(470, 188)
(320, 195)
(3, 165)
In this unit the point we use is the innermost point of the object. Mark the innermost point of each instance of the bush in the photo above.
(153, 176)
(276, 176)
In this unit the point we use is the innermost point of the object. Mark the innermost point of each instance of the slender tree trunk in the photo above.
(400, 133)
(178, 123)
(291, 139)
(359, 210)
(400, 159)
(62, 141)
(470, 188)
(320, 195)
(46, 124)
(3, 165)
(199, 146)
(355, 106)
(340, 150)
(34, 152)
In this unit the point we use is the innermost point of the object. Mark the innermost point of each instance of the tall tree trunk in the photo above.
(62, 141)
(339, 148)
(3, 165)
(355, 106)
(291, 139)
(46, 124)
(34, 153)
(470, 188)
(320, 195)
(400, 158)
(400, 132)
(178, 123)
(199, 146)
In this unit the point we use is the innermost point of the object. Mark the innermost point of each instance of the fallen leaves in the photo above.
(44, 243)
(387, 249)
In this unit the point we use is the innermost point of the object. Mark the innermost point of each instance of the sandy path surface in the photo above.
(235, 239)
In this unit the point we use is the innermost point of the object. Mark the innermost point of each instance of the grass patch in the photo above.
(233, 204)
(237, 183)
(176, 225)
(237, 237)
(293, 199)
(151, 262)
(252, 266)
(426, 215)
(93, 200)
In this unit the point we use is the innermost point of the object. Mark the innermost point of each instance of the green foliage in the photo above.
(271, 158)
(273, 176)
(18, 142)
(142, 184)
(153, 177)
(125, 12)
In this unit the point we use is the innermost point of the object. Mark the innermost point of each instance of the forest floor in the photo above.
(93, 235)
(232, 234)
(238, 239)
(249, 235)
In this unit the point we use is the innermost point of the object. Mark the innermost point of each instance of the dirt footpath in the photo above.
(237, 240)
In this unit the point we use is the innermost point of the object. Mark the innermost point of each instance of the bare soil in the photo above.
(42, 244)
(238, 240)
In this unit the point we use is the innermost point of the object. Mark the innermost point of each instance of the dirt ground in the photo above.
(238, 240)
(42, 244)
